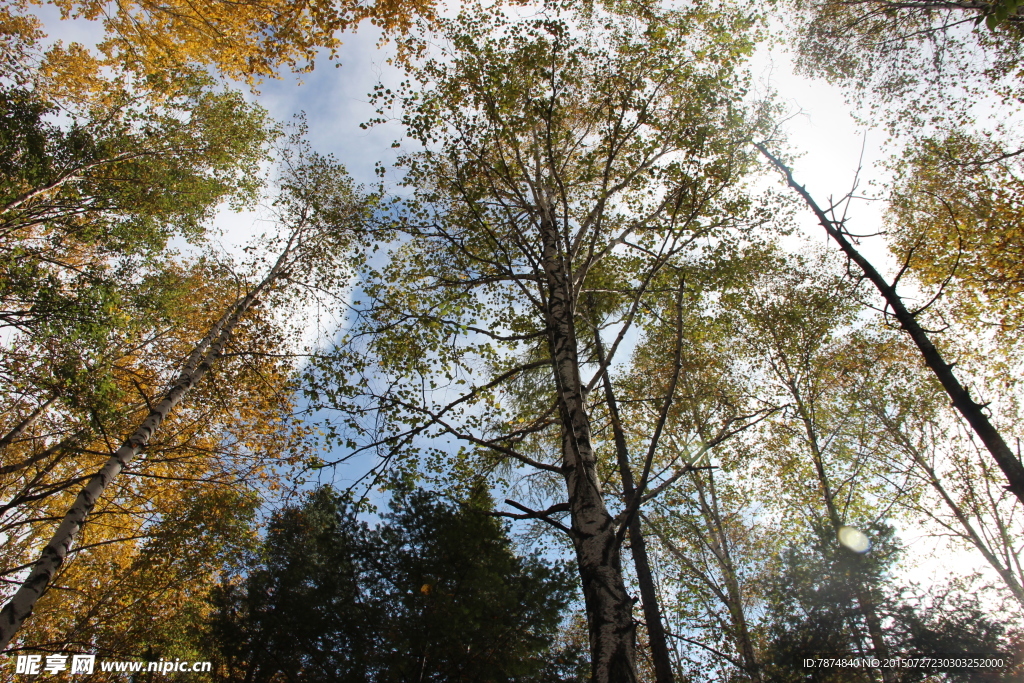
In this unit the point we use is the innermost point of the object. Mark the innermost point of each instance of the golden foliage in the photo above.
(164, 529)
(957, 219)
(247, 40)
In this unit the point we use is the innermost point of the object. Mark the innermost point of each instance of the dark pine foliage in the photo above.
(433, 593)
(814, 611)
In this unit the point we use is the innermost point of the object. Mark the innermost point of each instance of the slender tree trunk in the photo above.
(609, 607)
(719, 543)
(638, 546)
(971, 410)
(865, 596)
(67, 176)
(19, 429)
(199, 362)
(731, 597)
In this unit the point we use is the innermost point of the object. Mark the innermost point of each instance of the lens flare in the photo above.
(854, 539)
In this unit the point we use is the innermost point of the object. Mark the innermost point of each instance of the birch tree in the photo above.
(86, 211)
(320, 227)
(94, 308)
(908, 319)
(563, 156)
(711, 560)
(793, 328)
(838, 470)
(959, 492)
(715, 403)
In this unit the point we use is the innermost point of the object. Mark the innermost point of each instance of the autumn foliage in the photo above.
(587, 308)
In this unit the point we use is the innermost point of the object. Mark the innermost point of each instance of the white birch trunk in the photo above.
(598, 556)
(23, 426)
(199, 362)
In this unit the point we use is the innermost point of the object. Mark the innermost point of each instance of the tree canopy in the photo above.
(248, 41)
(584, 308)
(433, 593)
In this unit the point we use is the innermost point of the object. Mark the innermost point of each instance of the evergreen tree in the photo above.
(433, 593)
(813, 611)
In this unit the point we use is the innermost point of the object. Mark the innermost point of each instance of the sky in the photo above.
(821, 132)
(335, 99)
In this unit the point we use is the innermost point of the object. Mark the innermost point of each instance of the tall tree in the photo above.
(560, 159)
(320, 228)
(794, 330)
(835, 467)
(710, 559)
(90, 296)
(758, 346)
(714, 403)
(653, 620)
(55, 552)
(95, 309)
(972, 411)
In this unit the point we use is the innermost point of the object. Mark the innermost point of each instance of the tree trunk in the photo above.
(865, 596)
(199, 362)
(609, 607)
(730, 597)
(719, 544)
(638, 546)
(972, 411)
